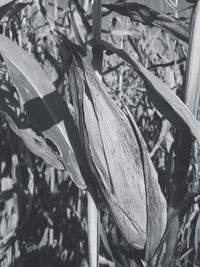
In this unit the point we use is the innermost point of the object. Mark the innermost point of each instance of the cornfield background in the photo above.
(65, 194)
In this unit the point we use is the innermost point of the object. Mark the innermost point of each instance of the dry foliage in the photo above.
(100, 133)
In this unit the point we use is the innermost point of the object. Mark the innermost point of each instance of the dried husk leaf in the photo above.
(120, 211)
(116, 155)
(156, 204)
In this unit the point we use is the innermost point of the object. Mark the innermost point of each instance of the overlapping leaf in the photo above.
(156, 210)
(45, 108)
(164, 99)
(146, 15)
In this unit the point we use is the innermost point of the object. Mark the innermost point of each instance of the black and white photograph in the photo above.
(99, 133)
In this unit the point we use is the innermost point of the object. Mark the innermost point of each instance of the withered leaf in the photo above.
(141, 13)
(124, 173)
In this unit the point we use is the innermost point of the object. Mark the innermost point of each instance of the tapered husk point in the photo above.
(116, 151)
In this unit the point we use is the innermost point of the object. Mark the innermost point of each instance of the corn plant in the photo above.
(100, 134)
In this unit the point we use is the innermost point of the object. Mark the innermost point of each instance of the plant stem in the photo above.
(93, 213)
(96, 32)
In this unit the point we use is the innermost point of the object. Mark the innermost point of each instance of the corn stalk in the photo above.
(93, 213)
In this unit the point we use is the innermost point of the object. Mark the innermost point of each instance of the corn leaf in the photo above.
(14, 8)
(156, 206)
(45, 108)
(105, 242)
(164, 99)
(192, 78)
(104, 261)
(197, 236)
(192, 90)
(34, 142)
(7, 241)
(5, 2)
(183, 145)
(148, 16)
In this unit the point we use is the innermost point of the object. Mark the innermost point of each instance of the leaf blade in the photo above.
(148, 16)
(45, 108)
(163, 98)
(37, 144)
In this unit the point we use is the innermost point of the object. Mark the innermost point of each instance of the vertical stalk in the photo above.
(93, 231)
(96, 32)
(93, 213)
(183, 144)
(192, 81)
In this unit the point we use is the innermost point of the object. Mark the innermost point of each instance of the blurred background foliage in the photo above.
(43, 203)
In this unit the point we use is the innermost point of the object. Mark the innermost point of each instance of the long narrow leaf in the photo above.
(148, 16)
(156, 212)
(46, 109)
(184, 142)
(163, 98)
